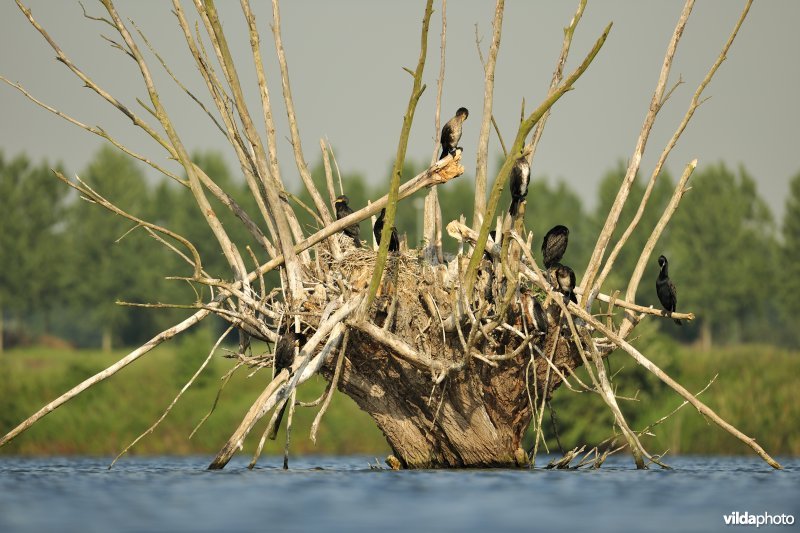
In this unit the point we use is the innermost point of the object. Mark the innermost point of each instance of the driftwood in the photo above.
(454, 360)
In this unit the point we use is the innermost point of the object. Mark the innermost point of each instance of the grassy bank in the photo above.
(754, 391)
(105, 418)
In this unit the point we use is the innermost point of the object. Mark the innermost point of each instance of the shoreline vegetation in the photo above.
(751, 391)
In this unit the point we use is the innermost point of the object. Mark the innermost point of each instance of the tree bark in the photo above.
(435, 407)
(474, 418)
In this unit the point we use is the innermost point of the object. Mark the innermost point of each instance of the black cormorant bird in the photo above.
(563, 279)
(667, 294)
(520, 178)
(451, 133)
(554, 245)
(284, 358)
(343, 210)
(394, 242)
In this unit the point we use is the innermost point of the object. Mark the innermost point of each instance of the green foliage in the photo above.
(788, 283)
(31, 249)
(629, 255)
(751, 392)
(107, 417)
(66, 262)
(106, 260)
(190, 351)
(724, 255)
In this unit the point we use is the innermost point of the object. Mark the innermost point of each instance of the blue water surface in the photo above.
(344, 494)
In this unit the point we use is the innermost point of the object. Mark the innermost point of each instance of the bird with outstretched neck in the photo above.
(343, 210)
(667, 294)
(284, 358)
(554, 245)
(394, 242)
(520, 179)
(451, 132)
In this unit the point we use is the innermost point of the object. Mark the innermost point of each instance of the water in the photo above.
(344, 494)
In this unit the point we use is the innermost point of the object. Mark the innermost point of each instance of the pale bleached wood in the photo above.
(431, 223)
(229, 250)
(460, 231)
(569, 31)
(693, 105)
(522, 133)
(398, 346)
(221, 100)
(674, 385)
(306, 364)
(590, 274)
(441, 172)
(417, 89)
(482, 152)
(294, 131)
(644, 257)
(286, 230)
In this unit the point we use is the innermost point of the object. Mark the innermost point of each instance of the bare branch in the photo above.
(297, 147)
(483, 138)
(188, 384)
(176, 80)
(633, 167)
(229, 250)
(108, 372)
(677, 387)
(644, 257)
(517, 148)
(569, 31)
(280, 387)
(695, 103)
(97, 131)
(402, 145)
(432, 220)
(282, 221)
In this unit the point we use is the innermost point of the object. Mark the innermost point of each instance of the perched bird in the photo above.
(563, 279)
(520, 178)
(284, 358)
(554, 245)
(343, 210)
(667, 294)
(394, 242)
(451, 133)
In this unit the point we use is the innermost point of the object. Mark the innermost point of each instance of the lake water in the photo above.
(344, 494)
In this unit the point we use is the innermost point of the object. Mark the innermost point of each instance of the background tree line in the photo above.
(64, 264)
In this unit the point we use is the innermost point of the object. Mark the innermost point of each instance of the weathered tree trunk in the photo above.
(458, 411)
(476, 418)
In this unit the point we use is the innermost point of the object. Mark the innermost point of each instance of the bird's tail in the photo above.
(514, 209)
(273, 434)
(444, 154)
(678, 321)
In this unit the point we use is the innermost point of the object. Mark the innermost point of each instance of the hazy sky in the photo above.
(345, 60)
